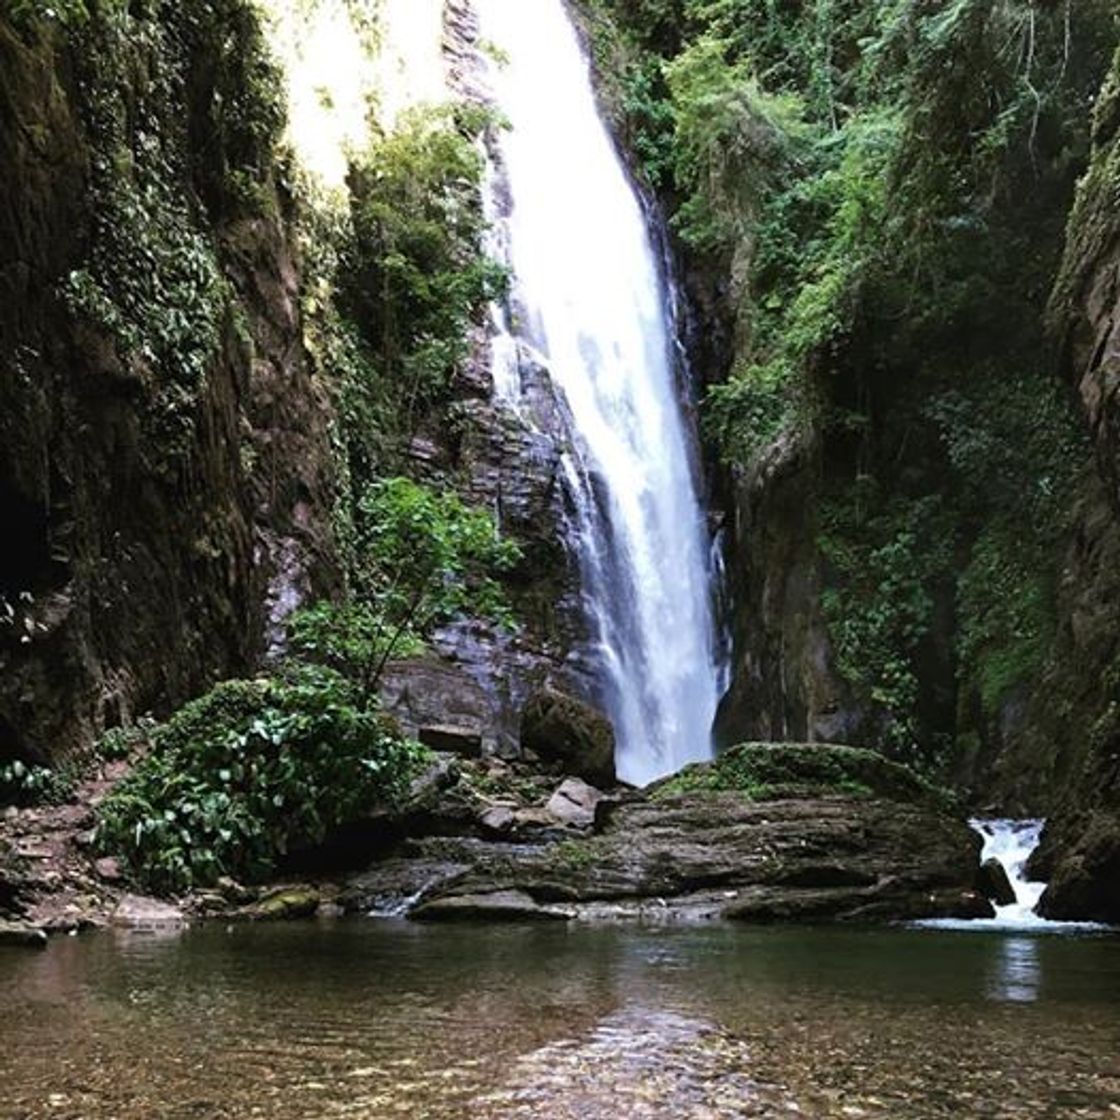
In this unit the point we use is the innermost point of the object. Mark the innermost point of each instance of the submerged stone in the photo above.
(501, 906)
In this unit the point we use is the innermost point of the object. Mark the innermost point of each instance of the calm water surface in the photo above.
(371, 1020)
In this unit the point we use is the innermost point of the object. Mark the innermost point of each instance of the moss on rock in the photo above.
(769, 771)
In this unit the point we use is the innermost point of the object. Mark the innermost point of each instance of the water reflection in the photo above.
(1017, 970)
(372, 1020)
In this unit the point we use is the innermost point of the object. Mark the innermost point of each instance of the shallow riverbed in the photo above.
(380, 1019)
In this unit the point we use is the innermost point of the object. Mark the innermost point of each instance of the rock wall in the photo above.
(1076, 713)
(141, 571)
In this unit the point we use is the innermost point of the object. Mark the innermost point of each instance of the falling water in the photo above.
(1012, 842)
(594, 304)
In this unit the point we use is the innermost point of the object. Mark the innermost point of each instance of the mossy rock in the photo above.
(772, 771)
(286, 903)
(570, 734)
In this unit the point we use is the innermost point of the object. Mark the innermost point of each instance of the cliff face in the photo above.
(187, 398)
(1077, 710)
(162, 444)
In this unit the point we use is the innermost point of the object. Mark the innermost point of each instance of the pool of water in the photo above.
(384, 1019)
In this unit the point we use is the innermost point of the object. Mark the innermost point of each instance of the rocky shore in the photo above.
(768, 833)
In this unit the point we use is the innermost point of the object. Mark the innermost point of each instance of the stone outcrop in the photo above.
(439, 704)
(830, 857)
(783, 684)
(798, 851)
(162, 529)
(992, 882)
(1084, 857)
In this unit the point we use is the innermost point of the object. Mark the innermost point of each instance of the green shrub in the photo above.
(25, 784)
(416, 278)
(421, 557)
(248, 772)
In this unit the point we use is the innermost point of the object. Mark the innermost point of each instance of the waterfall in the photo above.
(1012, 842)
(591, 300)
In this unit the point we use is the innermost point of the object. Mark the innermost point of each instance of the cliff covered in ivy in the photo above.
(871, 203)
(163, 442)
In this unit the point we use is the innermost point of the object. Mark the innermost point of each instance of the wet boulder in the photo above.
(570, 734)
(992, 883)
(491, 906)
(285, 904)
(574, 803)
(147, 915)
(1085, 879)
(23, 934)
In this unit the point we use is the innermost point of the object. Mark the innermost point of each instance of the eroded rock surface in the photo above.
(792, 852)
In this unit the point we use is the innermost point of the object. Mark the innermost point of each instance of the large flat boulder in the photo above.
(767, 833)
(872, 856)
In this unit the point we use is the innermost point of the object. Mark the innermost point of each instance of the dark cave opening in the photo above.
(26, 563)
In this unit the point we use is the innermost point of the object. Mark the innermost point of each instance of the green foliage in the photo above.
(730, 137)
(574, 855)
(416, 278)
(421, 557)
(886, 559)
(151, 278)
(1007, 613)
(119, 743)
(28, 13)
(768, 771)
(246, 773)
(24, 784)
(882, 188)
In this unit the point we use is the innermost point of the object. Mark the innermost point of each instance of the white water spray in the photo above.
(595, 305)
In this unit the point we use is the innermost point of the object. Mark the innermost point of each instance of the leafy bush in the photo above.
(416, 277)
(421, 558)
(24, 784)
(249, 771)
(886, 559)
(119, 743)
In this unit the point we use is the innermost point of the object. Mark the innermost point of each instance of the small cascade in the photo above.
(592, 306)
(1012, 842)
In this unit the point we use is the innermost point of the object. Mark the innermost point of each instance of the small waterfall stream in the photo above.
(1012, 842)
(592, 302)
